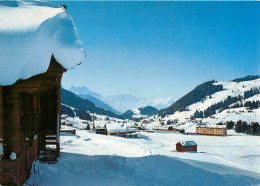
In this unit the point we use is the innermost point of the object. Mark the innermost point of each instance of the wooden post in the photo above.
(6, 133)
(14, 122)
(1, 116)
(58, 135)
(58, 84)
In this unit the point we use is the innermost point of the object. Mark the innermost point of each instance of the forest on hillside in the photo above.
(196, 95)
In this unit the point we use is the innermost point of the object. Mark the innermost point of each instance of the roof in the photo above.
(31, 32)
(212, 126)
(132, 130)
(117, 127)
(100, 125)
(188, 143)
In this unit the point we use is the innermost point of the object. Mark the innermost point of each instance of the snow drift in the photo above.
(30, 33)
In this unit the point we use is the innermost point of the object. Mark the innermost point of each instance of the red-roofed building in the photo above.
(185, 146)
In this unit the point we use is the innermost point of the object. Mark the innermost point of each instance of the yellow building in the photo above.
(214, 131)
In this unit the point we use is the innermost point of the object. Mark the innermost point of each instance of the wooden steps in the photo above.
(49, 149)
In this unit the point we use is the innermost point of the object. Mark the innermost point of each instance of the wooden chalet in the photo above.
(185, 146)
(100, 128)
(29, 121)
(117, 129)
(198, 121)
(219, 123)
(141, 127)
(182, 131)
(30, 109)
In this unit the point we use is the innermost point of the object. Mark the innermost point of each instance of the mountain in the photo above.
(148, 110)
(94, 97)
(157, 103)
(140, 113)
(73, 112)
(224, 101)
(247, 78)
(125, 102)
(120, 103)
(73, 105)
(85, 91)
(197, 94)
(99, 103)
(128, 114)
(72, 100)
(233, 100)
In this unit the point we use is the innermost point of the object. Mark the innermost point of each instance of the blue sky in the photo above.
(160, 49)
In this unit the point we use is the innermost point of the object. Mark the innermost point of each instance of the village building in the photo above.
(176, 130)
(187, 119)
(131, 132)
(141, 127)
(170, 129)
(100, 128)
(185, 146)
(198, 121)
(30, 82)
(117, 129)
(212, 131)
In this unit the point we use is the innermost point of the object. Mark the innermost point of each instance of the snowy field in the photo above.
(92, 159)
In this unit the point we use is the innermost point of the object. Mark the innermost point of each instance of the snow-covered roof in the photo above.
(100, 125)
(117, 127)
(188, 143)
(132, 130)
(212, 126)
(30, 33)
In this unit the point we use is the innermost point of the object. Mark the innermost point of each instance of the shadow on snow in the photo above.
(77, 169)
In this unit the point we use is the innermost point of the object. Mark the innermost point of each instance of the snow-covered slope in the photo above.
(30, 33)
(140, 113)
(235, 115)
(232, 89)
(137, 114)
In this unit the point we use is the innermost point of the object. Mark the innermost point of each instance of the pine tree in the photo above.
(238, 126)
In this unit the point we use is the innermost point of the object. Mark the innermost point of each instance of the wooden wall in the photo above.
(28, 108)
(1, 116)
(180, 148)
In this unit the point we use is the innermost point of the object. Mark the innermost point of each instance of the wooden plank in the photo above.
(1, 115)
(68, 131)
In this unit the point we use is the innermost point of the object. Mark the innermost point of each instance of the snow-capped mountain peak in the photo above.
(122, 102)
(159, 103)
